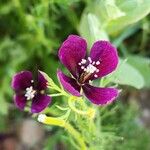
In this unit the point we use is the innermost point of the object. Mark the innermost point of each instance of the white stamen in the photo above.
(30, 93)
(98, 62)
(32, 81)
(95, 75)
(82, 67)
(97, 70)
(90, 60)
(90, 68)
(83, 61)
(90, 81)
(41, 117)
(93, 63)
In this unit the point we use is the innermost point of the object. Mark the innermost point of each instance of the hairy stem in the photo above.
(57, 94)
(71, 103)
(65, 125)
(90, 113)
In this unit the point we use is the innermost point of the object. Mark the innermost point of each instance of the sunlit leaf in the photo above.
(127, 75)
(90, 28)
(134, 10)
(143, 66)
(110, 10)
(115, 15)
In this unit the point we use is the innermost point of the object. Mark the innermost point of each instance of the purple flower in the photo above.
(27, 89)
(102, 61)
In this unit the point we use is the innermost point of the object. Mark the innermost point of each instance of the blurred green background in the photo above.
(31, 32)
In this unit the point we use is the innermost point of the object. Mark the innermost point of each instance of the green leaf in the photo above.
(129, 31)
(91, 29)
(115, 15)
(127, 75)
(62, 108)
(134, 11)
(109, 10)
(142, 64)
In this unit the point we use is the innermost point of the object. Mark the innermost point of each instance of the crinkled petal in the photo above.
(69, 84)
(100, 96)
(21, 80)
(20, 101)
(106, 53)
(40, 102)
(71, 52)
(42, 82)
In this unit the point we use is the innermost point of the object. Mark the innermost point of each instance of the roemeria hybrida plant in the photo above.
(83, 68)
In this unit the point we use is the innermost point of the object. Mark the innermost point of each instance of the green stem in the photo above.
(71, 103)
(90, 112)
(101, 82)
(55, 95)
(56, 88)
(67, 126)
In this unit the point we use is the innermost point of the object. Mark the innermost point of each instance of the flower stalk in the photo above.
(62, 123)
(56, 95)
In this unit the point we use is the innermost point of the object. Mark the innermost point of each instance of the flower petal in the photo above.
(42, 82)
(21, 80)
(106, 54)
(69, 84)
(100, 96)
(71, 52)
(40, 102)
(20, 101)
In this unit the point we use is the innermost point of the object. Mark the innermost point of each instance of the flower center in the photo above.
(89, 68)
(30, 93)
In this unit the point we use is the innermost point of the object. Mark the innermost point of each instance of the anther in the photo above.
(82, 67)
(85, 69)
(97, 70)
(30, 93)
(93, 63)
(83, 61)
(90, 81)
(98, 62)
(90, 60)
(95, 75)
